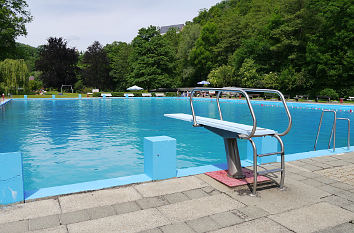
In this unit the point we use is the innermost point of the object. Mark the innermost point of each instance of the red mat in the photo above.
(222, 177)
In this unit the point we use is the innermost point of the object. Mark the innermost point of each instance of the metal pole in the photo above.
(254, 190)
(282, 165)
(318, 131)
(192, 108)
(233, 158)
(218, 102)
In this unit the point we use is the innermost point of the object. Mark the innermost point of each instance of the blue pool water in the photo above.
(71, 141)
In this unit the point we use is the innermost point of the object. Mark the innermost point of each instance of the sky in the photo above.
(81, 22)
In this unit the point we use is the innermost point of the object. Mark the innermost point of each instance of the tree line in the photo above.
(296, 46)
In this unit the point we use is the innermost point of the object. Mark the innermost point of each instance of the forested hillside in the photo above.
(296, 46)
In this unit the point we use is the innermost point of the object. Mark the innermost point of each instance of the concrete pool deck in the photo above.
(319, 197)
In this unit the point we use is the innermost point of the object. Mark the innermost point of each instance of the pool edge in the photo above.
(141, 178)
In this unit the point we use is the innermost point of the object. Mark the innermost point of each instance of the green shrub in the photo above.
(137, 94)
(171, 94)
(118, 94)
(87, 90)
(346, 92)
(96, 94)
(330, 93)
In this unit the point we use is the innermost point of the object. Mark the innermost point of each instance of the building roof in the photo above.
(164, 29)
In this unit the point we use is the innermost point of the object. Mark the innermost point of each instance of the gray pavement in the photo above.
(319, 197)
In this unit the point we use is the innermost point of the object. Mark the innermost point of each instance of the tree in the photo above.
(13, 17)
(13, 76)
(249, 75)
(329, 52)
(58, 63)
(185, 71)
(203, 55)
(118, 54)
(96, 67)
(223, 76)
(152, 60)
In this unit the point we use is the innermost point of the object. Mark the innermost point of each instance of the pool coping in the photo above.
(5, 102)
(300, 105)
(140, 178)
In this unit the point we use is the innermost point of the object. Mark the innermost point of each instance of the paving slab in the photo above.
(176, 197)
(44, 222)
(74, 217)
(151, 202)
(275, 200)
(155, 230)
(210, 190)
(131, 222)
(337, 163)
(101, 212)
(177, 228)
(250, 212)
(226, 219)
(325, 180)
(347, 195)
(343, 174)
(341, 228)
(195, 193)
(313, 218)
(295, 176)
(260, 225)
(343, 186)
(14, 227)
(88, 200)
(312, 182)
(204, 224)
(330, 189)
(338, 201)
(126, 207)
(197, 208)
(60, 229)
(29, 210)
(164, 187)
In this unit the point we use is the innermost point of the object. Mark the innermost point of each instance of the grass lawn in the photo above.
(49, 95)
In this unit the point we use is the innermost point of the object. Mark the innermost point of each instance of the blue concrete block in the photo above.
(264, 145)
(25, 96)
(53, 96)
(11, 178)
(79, 96)
(160, 157)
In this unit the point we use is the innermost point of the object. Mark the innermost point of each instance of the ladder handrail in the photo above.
(333, 129)
(243, 91)
(348, 134)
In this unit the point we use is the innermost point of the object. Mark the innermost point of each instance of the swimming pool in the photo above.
(71, 141)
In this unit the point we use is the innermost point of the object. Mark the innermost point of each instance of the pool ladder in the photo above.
(333, 132)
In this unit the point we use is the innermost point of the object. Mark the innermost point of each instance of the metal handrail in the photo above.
(333, 130)
(243, 91)
(348, 141)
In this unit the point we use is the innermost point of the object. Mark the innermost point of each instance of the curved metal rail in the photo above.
(243, 91)
(333, 131)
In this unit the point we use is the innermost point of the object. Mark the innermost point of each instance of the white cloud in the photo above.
(83, 21)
